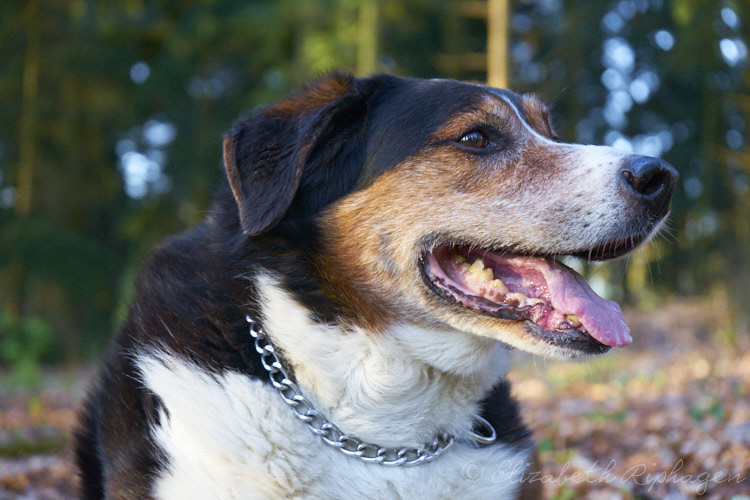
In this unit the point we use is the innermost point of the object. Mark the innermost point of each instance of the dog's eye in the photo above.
(474, 139)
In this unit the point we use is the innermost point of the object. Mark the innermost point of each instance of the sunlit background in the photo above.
(113, 114)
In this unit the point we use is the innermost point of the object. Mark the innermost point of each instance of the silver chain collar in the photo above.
(333, 436)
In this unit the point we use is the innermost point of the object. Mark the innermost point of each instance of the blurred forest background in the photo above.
(113, 114)
(111, 121)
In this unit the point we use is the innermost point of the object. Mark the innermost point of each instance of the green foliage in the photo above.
(566, 492)
(66, 275)
(26, 343)
(19, 447)
(545, 445)
(707, 407)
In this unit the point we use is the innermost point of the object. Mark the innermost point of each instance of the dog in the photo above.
(340, 324)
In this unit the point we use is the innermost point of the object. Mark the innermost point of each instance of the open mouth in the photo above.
(554, 301)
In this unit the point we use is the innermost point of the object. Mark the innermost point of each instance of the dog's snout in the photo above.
(649, 180)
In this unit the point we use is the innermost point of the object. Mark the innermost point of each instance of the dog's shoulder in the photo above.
(184, 308)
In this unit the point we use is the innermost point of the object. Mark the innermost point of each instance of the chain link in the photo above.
(329, 432)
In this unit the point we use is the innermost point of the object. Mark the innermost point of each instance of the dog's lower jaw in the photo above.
(512, 334)
(396, 388)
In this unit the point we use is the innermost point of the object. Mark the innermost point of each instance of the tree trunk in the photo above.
(367, 41)
(26, 147)
(27, 125)
(497, 43)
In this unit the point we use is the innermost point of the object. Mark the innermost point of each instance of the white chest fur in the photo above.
(228, 436)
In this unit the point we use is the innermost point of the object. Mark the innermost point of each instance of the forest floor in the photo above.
(666, 418)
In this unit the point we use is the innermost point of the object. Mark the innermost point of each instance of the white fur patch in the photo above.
(229, 436)
(232, 437)
(428, 381)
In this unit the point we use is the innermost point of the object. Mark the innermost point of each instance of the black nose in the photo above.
(649, 180)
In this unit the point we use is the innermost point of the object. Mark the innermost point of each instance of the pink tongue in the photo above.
(570, 294)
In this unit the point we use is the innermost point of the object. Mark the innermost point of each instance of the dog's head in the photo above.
(446, 204)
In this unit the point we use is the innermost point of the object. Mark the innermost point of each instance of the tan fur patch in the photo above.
(537, 115)
(313, 98)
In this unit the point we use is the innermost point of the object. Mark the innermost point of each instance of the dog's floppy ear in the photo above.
(266, 155)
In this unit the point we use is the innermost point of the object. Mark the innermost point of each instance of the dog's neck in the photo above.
(397, 388)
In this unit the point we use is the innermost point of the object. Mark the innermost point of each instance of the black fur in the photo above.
(502, 412)
(284, 165)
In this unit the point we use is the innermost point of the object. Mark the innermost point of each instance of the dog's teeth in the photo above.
(477, 266)
(532, 301)
(573, 319)
(464, 266)
(480, 271)
(487, 274)
(458, 258)
(497, 284)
